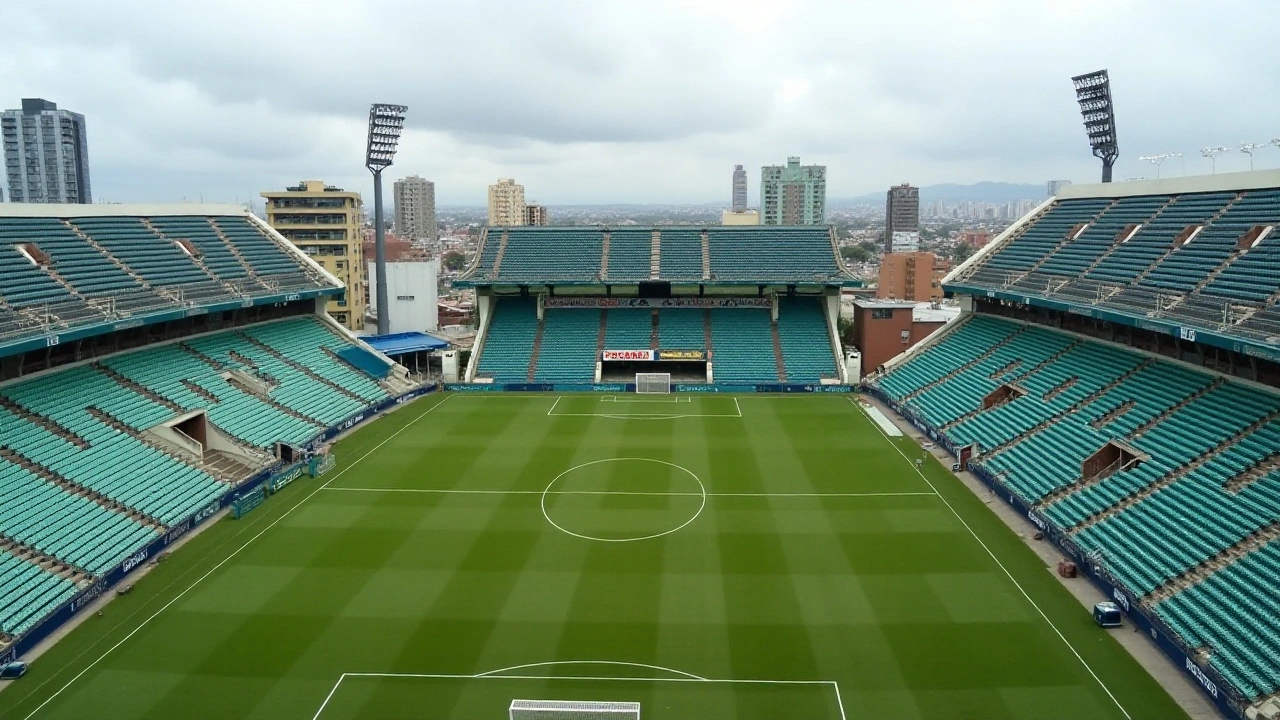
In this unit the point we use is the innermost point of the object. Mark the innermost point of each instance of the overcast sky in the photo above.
(602, 101)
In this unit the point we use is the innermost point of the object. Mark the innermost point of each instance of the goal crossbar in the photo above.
(573, 709)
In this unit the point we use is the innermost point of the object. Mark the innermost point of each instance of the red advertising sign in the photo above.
(628, 355)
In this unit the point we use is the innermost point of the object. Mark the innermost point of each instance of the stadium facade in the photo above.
(157, 364)
(719, 308)
(1114, 377)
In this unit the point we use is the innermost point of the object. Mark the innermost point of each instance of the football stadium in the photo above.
(660, 486)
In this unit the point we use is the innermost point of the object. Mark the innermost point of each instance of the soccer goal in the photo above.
(653, 383)
(573, 710)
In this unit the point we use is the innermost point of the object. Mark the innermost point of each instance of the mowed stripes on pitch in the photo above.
(887, 595)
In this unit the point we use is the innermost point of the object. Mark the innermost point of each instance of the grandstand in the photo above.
(715, 306)
(1115, 377)
(152, 361)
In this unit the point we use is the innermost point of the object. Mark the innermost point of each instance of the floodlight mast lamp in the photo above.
(1093, 93)
(385, 124)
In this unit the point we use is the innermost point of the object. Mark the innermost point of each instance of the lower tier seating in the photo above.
(742, 346)
(1186, 519)
(509, 342)
(28, 593)
(83, 485)
(567, 352)
(806, 341)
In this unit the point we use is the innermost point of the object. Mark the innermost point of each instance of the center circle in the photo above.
(623, 499)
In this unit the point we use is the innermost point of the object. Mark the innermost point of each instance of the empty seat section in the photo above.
(630, 254)
(963, 344)
(1072, 259)
(311, 342)
(73, 529)
(28, 593)
(538, 253)
(214, 253)
(25, 283)
(681, 253)
(75, 260)
(158, 260)
(1157, 236)
(261, 252)
(508, 344)
(746, 254)
(806, 341)
(742, 342)
(629, 328)
(681, 329)
(1035, 242)
(568, 349)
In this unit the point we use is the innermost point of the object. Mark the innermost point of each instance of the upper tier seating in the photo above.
(1200, 491)
(96, 270)
(734, 254)
(1194, 259)
(630, 254)
(806, 342)
(681, 254)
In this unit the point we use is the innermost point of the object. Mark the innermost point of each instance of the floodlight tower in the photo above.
(1212, 153)
(1180, 159)
(1093, 92)
(385, 124)
(1248, 148)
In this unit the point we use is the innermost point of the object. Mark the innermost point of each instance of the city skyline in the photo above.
(180, 116)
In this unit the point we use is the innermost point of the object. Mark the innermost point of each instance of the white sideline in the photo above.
(1008, 574)
(235, 552)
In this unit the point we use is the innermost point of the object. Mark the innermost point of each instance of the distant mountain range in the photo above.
(988, 192)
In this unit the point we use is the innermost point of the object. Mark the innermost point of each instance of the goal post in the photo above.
(653, 383)
(573, 710)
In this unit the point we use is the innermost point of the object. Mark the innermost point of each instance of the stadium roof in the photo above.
(77, 271)
(405, 342)
(681, 255)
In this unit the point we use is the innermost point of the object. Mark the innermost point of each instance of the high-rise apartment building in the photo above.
(739, 189)
(913, 276)
(46, 154)
(793, 194)
(1054, 186)
(506, 203)
(536, 215)
(326, 223)
(415, 200)
(902, 219)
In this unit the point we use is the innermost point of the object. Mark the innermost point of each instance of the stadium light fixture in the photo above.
(1212, 153)
(386, 122)
(1093, 93)
(1156, 160)
(1248, 148)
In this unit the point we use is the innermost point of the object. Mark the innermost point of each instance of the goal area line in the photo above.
(493, 676)
(621, 414)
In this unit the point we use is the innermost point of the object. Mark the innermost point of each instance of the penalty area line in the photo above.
(1002, 567)
(227, 559)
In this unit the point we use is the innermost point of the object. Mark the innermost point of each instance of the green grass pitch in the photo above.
(709, 557)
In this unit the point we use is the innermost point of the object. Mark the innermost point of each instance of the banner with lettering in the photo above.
(677, 302)
(628, 355)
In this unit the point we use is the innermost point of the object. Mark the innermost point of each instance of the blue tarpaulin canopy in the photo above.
(406, 342)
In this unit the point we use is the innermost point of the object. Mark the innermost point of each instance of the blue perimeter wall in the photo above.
(273, 478)
(1223, 694)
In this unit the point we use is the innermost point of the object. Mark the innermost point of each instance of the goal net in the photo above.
(573, 710)
(653, 383)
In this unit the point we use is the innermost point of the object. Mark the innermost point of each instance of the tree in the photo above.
(870, 246)
(855, 253)
(454, 260)
(961, 252)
